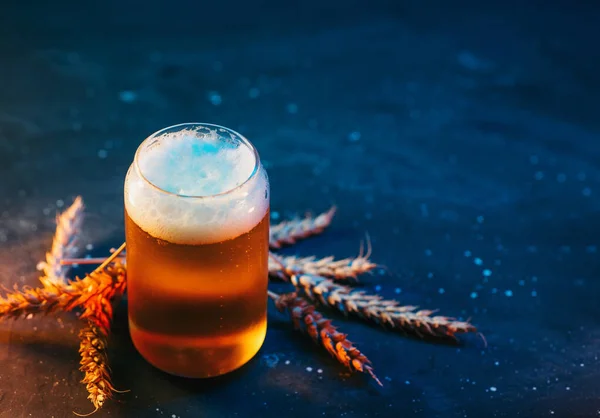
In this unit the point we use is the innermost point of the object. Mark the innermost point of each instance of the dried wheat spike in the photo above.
(288, 232)
(323, 333)
(381, 311)
(107, 281)
(92, 349)
(64, 243)
(339, 270)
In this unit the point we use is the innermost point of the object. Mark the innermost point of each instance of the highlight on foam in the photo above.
(196, 184)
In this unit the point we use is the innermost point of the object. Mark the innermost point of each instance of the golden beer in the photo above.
(197, 232)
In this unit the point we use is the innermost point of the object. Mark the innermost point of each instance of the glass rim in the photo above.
(180, 127)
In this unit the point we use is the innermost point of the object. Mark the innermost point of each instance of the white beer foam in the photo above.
(195, 195)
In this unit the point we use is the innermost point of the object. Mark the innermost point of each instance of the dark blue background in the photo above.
(437, 128)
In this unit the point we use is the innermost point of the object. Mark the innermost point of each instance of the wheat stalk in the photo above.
(376, 309)
(288, 232)
(323, 333)
(107, 280)
(64, 243)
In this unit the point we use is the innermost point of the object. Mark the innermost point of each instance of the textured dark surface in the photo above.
(437, 129)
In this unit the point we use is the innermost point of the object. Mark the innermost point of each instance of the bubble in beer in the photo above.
(196, 186)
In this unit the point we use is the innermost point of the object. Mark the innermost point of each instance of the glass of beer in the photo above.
(197, 233)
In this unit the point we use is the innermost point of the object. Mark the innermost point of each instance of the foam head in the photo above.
(195, 184)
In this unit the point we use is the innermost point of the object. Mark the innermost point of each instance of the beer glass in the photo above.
(197, 233)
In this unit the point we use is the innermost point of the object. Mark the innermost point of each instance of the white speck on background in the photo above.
(292, 108)
(215, 98)
(253, 93)
(354, 136)
(127, 96)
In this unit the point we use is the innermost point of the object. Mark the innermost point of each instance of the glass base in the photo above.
(198, 356)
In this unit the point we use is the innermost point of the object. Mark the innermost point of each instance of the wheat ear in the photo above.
(306, 318)
(93, 341)
(340, 270)
(288, 232)
(64, 243)
(376, 309)
(107, 280)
